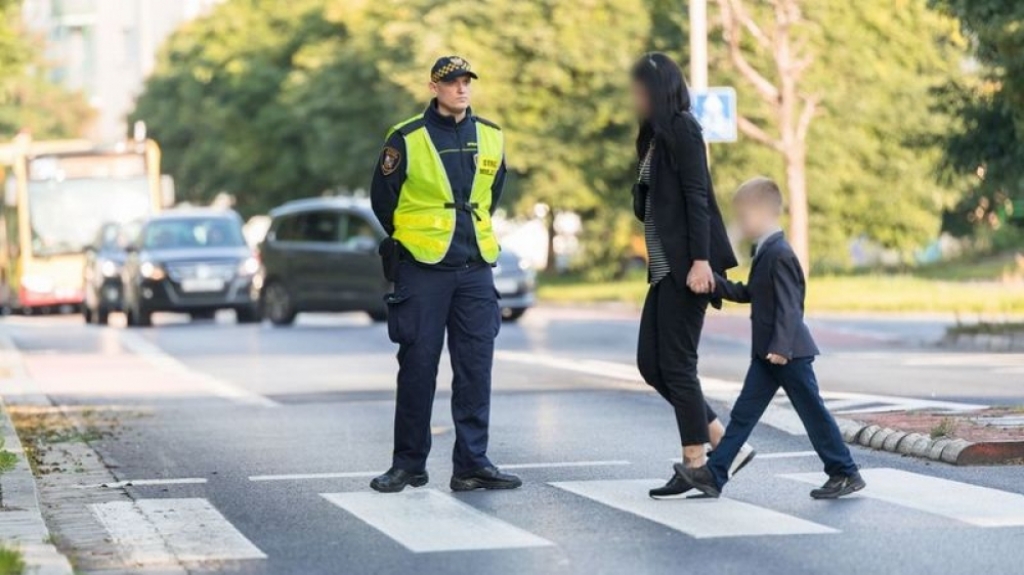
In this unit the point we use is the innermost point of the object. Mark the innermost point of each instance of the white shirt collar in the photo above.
(761, 240)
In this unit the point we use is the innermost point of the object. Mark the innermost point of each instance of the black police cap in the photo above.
(450, 67)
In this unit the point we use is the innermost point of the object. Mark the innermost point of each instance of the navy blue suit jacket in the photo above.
(775, 290)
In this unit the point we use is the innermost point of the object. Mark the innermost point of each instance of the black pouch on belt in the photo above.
(390, 254)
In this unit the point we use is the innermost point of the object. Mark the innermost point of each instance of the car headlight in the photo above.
(109, 268)
(524, 264)
(38, 284)
(249, 266)
(151, 271)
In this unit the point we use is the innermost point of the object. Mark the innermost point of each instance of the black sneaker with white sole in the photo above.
(838, 486)
(699, 478)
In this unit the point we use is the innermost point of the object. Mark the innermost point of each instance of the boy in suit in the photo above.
(782, 351)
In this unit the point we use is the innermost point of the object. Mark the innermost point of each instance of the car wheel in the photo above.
(248, 314)
(379, 315)
(512, 313)
(277, 305)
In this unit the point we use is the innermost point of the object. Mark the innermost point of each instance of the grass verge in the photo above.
(858, 293)
(11, 562)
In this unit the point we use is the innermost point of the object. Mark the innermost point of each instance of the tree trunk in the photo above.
(796, 181)
(550, 220)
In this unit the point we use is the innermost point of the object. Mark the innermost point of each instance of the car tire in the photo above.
(512, 313)
(276, 304)
(378, 315)
(248, 314)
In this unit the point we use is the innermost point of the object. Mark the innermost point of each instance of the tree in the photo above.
(985, 150)
(780, 88)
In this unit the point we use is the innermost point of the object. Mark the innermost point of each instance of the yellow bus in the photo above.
(57, 196)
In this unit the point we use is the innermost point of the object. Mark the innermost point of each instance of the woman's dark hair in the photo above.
(668, 92)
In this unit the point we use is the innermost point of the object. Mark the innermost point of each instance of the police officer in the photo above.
(435, 188)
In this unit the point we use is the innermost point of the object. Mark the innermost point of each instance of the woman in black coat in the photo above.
(686, 244)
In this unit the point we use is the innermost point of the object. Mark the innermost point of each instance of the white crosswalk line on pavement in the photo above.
(698, 518)
(971, 504)
(428, 521)
(153, 532)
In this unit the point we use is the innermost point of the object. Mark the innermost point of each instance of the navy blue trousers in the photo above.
(797, 379)
(426, 304)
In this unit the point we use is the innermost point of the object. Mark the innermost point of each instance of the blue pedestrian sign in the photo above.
(715, 109)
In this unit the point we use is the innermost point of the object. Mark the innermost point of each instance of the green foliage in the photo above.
(28, 100)
(275, 100)
(11, 562)
(8, 461)
(985, 151)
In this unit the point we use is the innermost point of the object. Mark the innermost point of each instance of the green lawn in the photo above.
(855, 293)
(11, 562)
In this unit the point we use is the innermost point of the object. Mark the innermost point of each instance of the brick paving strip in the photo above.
(61, 473)
(993, 436)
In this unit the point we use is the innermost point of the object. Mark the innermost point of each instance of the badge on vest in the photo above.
(488, 165)
(389, 160)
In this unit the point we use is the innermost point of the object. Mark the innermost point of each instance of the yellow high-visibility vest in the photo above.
(425, 217)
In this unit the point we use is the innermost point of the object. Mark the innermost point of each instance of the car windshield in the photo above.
(190, 233)
(65, 215)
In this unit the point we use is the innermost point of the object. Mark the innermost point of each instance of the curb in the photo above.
(943, 449)
(23, 528)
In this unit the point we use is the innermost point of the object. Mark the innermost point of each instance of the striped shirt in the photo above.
(657, 261)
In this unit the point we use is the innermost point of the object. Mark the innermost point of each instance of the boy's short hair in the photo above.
(761, 190)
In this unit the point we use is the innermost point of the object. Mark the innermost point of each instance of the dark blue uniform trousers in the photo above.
(797, 379)
(426, 303)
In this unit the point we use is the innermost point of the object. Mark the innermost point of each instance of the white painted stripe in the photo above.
(786, 455)
(168, 531)
(168, 364)
(609, 463)
(971, 504)
(143, 482)
(427, 521)
(698, 518)
(302, 476)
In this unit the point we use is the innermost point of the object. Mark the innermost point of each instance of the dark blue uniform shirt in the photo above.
(457, 145)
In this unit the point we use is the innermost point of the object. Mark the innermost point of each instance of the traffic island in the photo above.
(992, 436)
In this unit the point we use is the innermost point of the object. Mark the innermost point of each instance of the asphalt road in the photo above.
(258, 444)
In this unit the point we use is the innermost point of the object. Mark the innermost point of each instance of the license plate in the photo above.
(202, 285)
(506, 285)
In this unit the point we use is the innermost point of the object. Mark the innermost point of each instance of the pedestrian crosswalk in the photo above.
(431, 520)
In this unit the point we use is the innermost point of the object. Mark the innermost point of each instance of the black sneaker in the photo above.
(674, 488)
(484, 478)
(699, 478)
(838, 486)
(396, 480)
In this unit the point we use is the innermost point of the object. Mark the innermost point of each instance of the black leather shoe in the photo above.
(699, 478)
(485, 478)
(674, 488)
(396, 480)
(838, 486)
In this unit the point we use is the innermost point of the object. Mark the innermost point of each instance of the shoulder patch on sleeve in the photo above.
(486, 122)
(389, 160)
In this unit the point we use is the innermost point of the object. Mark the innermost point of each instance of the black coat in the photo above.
(775, 290)
(686, 215)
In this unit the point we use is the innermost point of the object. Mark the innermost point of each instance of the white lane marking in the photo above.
(167, 363)
(427, 521)
(301, 476)
(143, 482)
(698, 518)
(609, 463)
(786, 455)
(971, 504)
(168, 531)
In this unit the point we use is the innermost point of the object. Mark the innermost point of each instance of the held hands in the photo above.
(776, 359)
(700, 279)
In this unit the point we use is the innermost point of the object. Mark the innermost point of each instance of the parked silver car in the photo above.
(516, 283)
